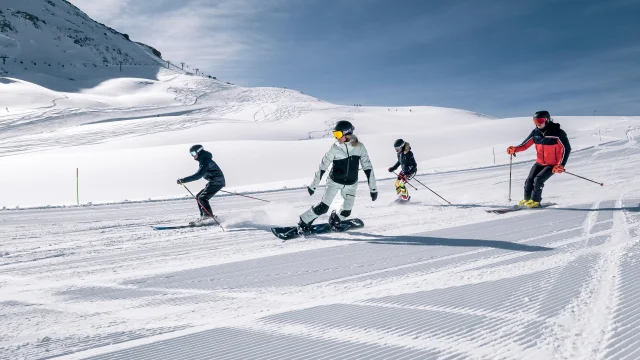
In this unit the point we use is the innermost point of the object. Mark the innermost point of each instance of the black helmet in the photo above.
(344, 126)
(195, 149)
(398, 143)
(541, 117)
(542, 114)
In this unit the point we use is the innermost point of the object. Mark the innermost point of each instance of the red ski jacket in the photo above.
(552, 145)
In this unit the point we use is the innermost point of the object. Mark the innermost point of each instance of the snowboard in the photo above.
(291, 232)
(518, 208)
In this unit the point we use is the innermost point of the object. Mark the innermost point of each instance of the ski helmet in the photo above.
(342, 128)
(541, 117)
(195, 149)
(398, 144)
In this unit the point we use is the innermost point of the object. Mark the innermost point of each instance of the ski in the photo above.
(173, 227)
(403, 201)
(291, 232)
(518, 208)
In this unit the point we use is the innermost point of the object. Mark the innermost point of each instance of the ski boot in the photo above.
(401, 191)
(204, 221)
(334, 221)
(523, 202)
(304, 228)
(198, 222)
(532, 204)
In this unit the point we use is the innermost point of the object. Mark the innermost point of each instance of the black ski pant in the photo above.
(207, 193)
(535, 182)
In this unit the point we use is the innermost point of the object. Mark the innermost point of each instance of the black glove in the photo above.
(310, 190)
(390, 169)
(374, 195)
(179, 181)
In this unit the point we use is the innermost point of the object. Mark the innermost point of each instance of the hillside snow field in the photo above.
(129, 137)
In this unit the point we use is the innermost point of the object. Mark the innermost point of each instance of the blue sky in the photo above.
(498, 57)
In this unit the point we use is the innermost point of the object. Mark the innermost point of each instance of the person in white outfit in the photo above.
(346, 155)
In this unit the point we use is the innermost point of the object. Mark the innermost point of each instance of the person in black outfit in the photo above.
(211, 172)
(409, 167)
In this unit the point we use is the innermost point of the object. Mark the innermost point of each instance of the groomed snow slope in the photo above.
(420, 281)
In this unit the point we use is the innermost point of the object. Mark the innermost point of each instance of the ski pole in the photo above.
(510, 172)
(584, 178)
(445, 200)
(407, 182)
(202, 206)
(247, 196)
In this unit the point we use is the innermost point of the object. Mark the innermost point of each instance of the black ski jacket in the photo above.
(208, 170)
(406, 159)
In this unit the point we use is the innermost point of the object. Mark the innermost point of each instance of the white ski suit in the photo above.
(346, 159)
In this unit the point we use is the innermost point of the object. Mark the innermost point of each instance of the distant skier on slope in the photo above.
(553, 149)
(409, 168)
(212, 173)
(346, 155)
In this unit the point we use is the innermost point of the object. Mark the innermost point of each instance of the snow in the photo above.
(423, 280)
(97, 280)
(146, 146)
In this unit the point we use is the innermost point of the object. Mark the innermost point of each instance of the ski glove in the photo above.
(179, 181)
(390, 169)
(310, 190)
(511, 150)
(558, 169)
(374, 196)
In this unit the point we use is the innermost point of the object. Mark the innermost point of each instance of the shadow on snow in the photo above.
(437, 241)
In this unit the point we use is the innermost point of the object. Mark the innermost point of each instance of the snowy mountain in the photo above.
(55, 37)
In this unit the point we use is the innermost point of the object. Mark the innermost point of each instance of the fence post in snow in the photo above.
(77, 187)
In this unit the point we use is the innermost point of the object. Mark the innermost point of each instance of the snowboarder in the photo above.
(553, 149)
(212, 173)
(346, 155)
(409, 168)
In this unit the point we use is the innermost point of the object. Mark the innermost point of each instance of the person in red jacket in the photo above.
(553, 149)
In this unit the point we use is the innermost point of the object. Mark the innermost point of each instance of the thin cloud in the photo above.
(102, 9)
(214, 36)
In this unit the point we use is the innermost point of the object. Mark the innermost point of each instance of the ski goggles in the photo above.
(338, 134)
(193, 153)
(539, 121)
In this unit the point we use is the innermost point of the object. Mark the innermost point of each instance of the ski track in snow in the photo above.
(439, 282)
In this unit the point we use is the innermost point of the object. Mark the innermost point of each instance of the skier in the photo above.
(212, 173)
(409, 168)
(553, 149)
(346, 154)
